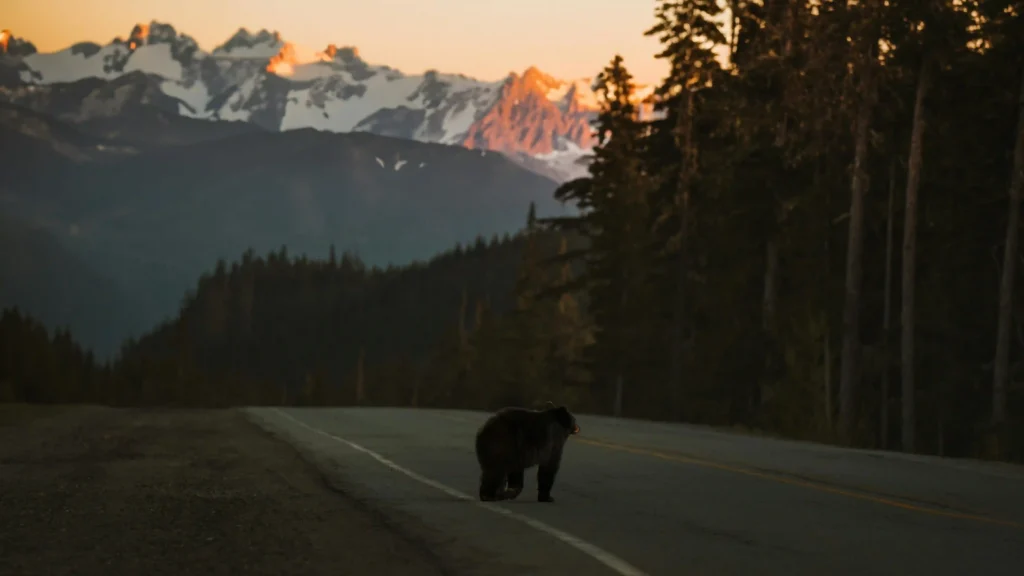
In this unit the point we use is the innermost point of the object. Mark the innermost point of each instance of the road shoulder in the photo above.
(91, 490)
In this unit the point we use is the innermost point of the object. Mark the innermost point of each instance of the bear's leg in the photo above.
(491, 482)
(545, 480)
(515, 484)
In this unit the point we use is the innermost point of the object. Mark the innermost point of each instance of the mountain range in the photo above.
(538, 121)
(109, 222)
(131, 168)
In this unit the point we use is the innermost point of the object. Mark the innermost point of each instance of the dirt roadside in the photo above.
(91, 490)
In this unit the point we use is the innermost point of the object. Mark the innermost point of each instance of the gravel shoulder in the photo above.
(92, 490)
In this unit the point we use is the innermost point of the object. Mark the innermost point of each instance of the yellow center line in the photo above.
(785, 480)
(794, 482)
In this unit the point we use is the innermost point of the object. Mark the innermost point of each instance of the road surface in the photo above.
(645, 498)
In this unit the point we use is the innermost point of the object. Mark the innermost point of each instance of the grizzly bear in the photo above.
(514, 439)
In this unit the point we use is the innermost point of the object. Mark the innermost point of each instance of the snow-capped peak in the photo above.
(278, 56)
(344, 54)
(568, 95)
(156, 33)
(261, 78)
(245, 44)
(182, 46)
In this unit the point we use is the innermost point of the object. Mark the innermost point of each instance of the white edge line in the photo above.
(610, 560)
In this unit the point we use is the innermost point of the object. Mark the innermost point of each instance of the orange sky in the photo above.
(481, 38)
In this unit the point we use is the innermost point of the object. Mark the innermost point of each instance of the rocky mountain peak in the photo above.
(534, 77)
(183, 47)
(244, 40)
(530, 116)
(283, 63)
(344, 54)
(10, 45)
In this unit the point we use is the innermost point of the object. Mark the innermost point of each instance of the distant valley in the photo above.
(142, 204)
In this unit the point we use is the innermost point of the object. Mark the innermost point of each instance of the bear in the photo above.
(514, 439)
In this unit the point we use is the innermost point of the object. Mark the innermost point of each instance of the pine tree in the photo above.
(613, 202)
(688, 34)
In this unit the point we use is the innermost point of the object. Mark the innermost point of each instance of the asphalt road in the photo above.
(645, 498)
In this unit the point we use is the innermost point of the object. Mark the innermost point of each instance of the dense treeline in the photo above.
(39, 367)
(819, 239)
(287, 330)
(279, 329)
(815, 239)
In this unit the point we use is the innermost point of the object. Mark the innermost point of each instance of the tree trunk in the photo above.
(684, 140)
(617, 406)
(360, 377)
(478, 317)
(463, 336)
(940, 420)
(818, 189)
(907, 317)
(828, 381)
(563, 247)
(763, 390)
(887, 315)
(849, 371)
(620, 352)
(1001, 369)
(771, 283)
(414, 401)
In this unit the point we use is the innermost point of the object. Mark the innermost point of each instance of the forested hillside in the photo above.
(820, 240)
(289, 329)
(292, 330)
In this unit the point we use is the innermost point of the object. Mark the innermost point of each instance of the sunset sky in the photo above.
(481, 38)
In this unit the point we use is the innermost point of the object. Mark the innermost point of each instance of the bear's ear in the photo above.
(549, 405)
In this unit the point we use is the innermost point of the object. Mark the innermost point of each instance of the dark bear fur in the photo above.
(514, 439)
